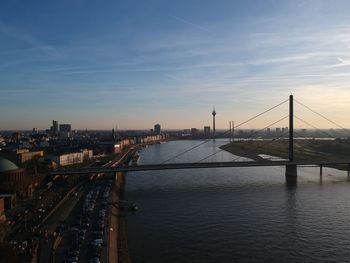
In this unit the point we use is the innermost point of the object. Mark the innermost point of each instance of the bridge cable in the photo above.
(310, 141)
(262, 113)
(313, 126)
(321, 115)
(251, 135)
(267, 141)
(207, 140)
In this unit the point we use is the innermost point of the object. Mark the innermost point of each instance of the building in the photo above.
(12, 178)
(194, 131)
(54, 127)
(68, 159)
(284, 130)
(206, 131)
(151, 138)
(86, 154)
(186, 132)
(72, 158)
(16, 137)
(110, 147)
(126, 142)
(157, 129)
(25, 155)
(65, 130)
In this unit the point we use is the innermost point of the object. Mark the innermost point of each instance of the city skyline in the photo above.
(139, 63)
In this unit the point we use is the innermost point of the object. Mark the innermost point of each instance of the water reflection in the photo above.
(236, 214)
(291, 219)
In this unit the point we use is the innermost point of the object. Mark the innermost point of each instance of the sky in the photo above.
(98, 64)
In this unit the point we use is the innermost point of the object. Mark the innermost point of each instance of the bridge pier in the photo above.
(291, 170)
(321, 170)
(291, 174)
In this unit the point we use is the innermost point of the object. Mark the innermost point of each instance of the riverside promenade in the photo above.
(117, 250)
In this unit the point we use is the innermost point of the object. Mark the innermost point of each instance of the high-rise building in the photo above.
(207, 131)
(16, 136)
(54, 127)
(65, 128)
(157, 129)
(194, 131)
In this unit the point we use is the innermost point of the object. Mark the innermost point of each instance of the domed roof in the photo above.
(6, 165)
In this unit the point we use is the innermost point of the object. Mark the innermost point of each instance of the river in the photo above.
(235, 214)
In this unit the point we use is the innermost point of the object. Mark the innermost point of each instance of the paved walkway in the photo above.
(114, 222)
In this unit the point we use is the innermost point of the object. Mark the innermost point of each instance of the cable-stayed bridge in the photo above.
(196, 165)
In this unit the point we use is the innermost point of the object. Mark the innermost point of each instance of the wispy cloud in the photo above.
(151, 66)
(14, 33)
(189, 23)
(343, 63)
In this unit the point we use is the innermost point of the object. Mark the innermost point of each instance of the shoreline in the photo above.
(118, 250)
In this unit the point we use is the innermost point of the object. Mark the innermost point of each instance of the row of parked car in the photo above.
(89, 228)
(100, 222)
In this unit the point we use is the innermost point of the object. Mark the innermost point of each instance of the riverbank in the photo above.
(303, 149)
(117, 240)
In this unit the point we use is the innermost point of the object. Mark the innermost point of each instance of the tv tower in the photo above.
(213, 113)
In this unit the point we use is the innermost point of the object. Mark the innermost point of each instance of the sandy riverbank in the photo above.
(321, 150)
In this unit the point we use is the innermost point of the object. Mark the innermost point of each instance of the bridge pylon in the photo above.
(291, 169)
(291, 130)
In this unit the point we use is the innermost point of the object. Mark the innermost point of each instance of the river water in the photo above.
(235, 214)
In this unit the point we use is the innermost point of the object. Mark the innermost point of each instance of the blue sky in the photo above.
(96, 64)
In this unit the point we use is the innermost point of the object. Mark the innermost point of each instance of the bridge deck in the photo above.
(173, 166)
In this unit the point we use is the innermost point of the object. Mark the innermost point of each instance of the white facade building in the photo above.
(73, 158)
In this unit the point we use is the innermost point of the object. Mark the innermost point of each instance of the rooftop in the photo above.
(7, 165)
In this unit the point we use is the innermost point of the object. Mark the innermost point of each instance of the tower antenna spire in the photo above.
(213, 113)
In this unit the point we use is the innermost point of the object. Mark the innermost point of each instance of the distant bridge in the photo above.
(177, 166)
